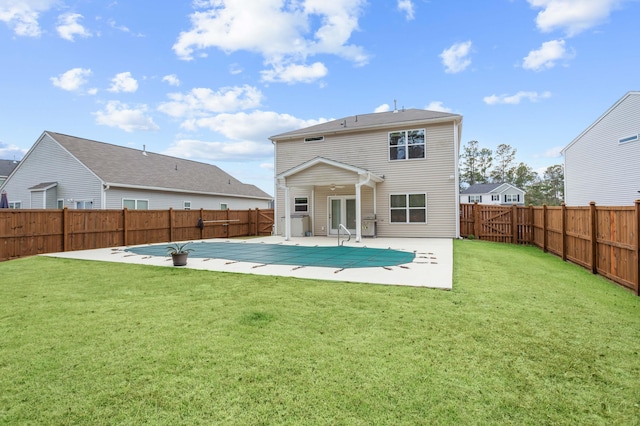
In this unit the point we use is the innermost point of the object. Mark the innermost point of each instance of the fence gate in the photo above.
(494, 224)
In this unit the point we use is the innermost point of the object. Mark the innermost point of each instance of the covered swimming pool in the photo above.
(278, 254)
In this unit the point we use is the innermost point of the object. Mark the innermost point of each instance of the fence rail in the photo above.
(30, 232)
(603, 239)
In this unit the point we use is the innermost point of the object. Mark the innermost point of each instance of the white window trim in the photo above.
(407, 208)
(509, 198)
(84, 201)
(296, 205)
(58, 203)
(135, 201)
(184, 205)
(12, 204)
(406, 145)
(477, 198)
(226, 206)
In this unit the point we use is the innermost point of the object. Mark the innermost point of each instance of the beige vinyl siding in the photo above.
(597, 167)
(370, 151)
(49, 162)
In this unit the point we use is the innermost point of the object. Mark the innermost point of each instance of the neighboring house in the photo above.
(6, 167)
(66, 171)
(602, 163)
(390, 174)
(493, 193)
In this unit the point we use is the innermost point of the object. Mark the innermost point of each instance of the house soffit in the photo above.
(359, 174)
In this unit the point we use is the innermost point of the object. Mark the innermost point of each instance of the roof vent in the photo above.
(144, 150)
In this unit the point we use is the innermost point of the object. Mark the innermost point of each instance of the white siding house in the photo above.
(66, 171)
(390, 174)
(602, 164)
(493, 193)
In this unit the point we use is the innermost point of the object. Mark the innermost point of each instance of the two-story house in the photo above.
(388, 174)
(493, 193)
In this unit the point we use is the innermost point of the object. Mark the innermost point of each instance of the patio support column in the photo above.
(287, 214)
(358, 213)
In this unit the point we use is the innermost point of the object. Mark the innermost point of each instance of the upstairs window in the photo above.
(407, 145)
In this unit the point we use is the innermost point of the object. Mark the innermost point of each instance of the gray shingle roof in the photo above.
(365, 121)
(481, 188)
(127, 166)
(7, 166)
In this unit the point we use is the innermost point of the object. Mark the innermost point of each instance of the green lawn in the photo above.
(523, 338)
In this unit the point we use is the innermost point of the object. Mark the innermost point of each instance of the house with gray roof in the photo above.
(6, 167)
(387, 174)
(493, 193)
(67, 171)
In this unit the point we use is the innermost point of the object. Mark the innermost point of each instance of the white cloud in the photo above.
(22, 15)
(295, 73)
(382, 108)
(203, 101)
(123, 82)
(551, 153)
(437, 106)
(546, 57)
(218, 151)
(515, 99)
(256, 125)
(572, 16)
(117, 114)
(406, 6)
(72, 80)
(11, 151)
(455, 59)
(172, 79)
(246, 136)
(283, 35)
(69, 27)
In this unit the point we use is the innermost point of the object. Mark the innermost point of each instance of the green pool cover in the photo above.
(278, 254)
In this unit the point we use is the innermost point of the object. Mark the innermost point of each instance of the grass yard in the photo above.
(522, 339)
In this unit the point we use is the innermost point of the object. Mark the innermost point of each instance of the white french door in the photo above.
(342, 210)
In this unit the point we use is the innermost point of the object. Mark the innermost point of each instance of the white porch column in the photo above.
(358, 213)
(287, 214)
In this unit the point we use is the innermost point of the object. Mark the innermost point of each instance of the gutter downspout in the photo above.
(456, 149)
(105, 188)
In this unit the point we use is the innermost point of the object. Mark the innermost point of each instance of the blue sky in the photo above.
(211, 80)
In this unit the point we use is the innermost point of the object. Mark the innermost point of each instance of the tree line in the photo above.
(483, 165)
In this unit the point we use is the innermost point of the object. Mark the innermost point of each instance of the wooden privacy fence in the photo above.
(30, 232)
(605, 240)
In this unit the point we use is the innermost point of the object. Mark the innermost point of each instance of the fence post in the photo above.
(202, 227)
(514, 224)
(564, 231)
(124, 226)
(594, 237)
(171, 224)
(65, 229)
(226, 216)
(544, 228)
(476, 220)
(532, 228)
(637, 247)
